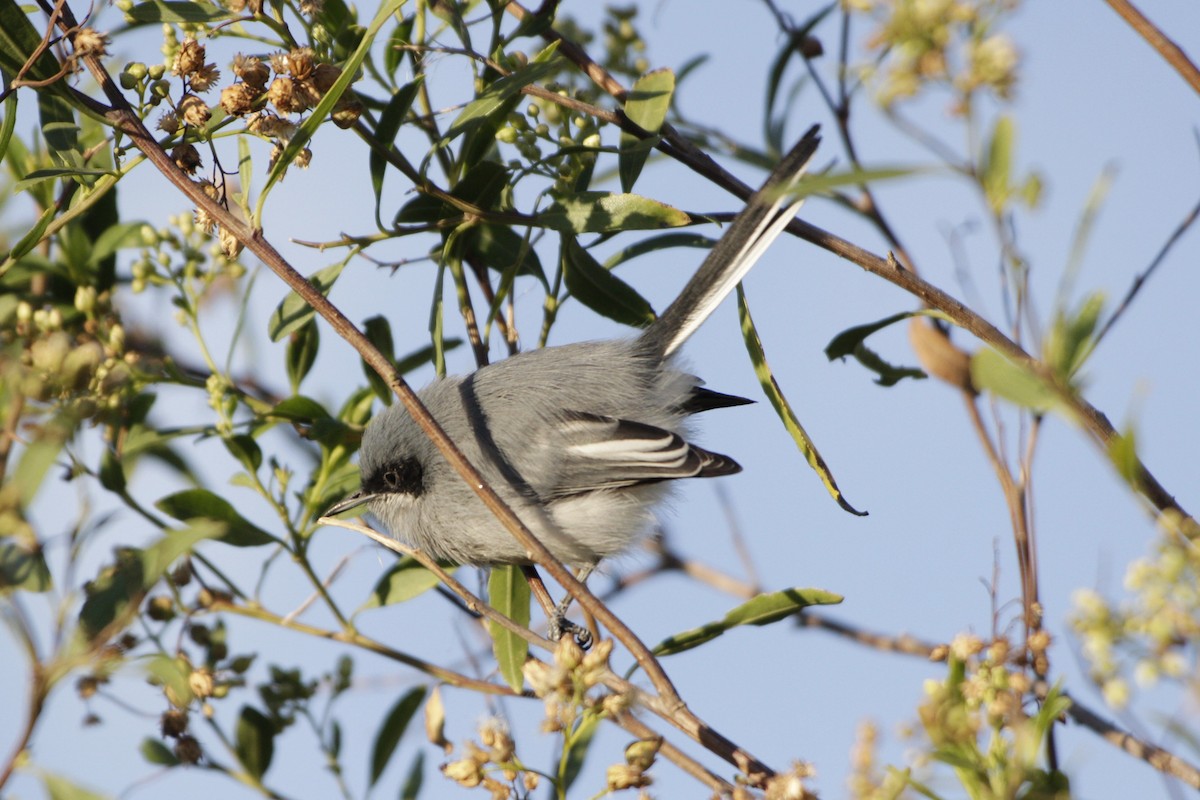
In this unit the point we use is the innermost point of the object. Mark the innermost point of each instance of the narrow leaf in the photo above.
(293, 311)
(390, 120)
(156, 11)
(405, 580)
(1014, 382)
(646, 106)
(194, 504)
(599, 289)
(255, 742)
(392, 729)
(790, 421)
(761, 610)
(508, 593)
(605, 212)
(23, 568)
(158, 753)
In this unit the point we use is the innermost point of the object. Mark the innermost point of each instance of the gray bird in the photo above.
(581, 440)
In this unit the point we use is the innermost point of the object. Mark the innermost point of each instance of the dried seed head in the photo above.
(186, 157)
(169, 123)
(623, 776)
(189, 58)
(251, 70)
(187, 750)
(324, 76)
(231, 246)
(238, 99)
(347, 111)
(300, 63)
(174, 722)
(194, 111)
(90, 42)
(284, 97)
(204, 78)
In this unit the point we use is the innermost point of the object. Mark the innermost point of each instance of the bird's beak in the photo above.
(353, 501)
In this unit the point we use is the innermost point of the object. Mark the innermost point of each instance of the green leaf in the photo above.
(114, 238)
(302, 348)
(393, 55)
(293, 311)
(112, 472)
(112, 598)
(578, 746)
(606, 212)
(59, 788)
(1014, 382)
(38, 457)
(172, 674)
(662, 241)
(10, 122)
(18, 42)
(600, 290)
(416, 774)
(505, 250)
(1071, 338)
(783, 409)
(243, 447)
(379, 331)
(390, 120)
(761, 610)
(23, 568)
(158, 753)
(483, 185)
(1123, 452)
(405, 580)
(502, 92)
(423, 355)
(508, 593)
(157, 11)
(255, 743)
(996, 174)
(646, 106)
(392, 729)
(201, 504)
(53, 173)
(300, 409)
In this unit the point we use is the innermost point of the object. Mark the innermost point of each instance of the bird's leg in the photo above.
(556, 614)
(583, 637)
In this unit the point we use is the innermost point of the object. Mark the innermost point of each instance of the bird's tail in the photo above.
(744, 241)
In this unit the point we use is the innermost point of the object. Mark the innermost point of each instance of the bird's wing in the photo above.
(600, 452)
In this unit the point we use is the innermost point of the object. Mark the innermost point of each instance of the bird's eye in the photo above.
(391, 478)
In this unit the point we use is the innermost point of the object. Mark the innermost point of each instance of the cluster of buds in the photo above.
(198, 75)
(73, 360)
(564, 685)
(941, 42)
(639, 757)
(496, 755)
(299, 84)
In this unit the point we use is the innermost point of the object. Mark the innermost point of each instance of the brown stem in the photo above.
(674, 145)
(718, 785)
(1166, 48)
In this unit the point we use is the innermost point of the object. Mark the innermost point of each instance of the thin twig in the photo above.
(1162, 760)
(1144, 276)
(674, 145)
(1171, 52)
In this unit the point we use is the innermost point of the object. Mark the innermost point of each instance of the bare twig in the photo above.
(1166, 48)
(674, 145)
(1162, 760)
(1144, 276)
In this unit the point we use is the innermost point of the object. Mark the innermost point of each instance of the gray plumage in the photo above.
(581, 440)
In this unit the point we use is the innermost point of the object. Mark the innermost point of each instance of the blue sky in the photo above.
(1091, 95)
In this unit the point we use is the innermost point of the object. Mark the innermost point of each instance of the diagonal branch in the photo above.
(676, 146)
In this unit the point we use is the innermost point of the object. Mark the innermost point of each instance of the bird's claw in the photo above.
(561, 626)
